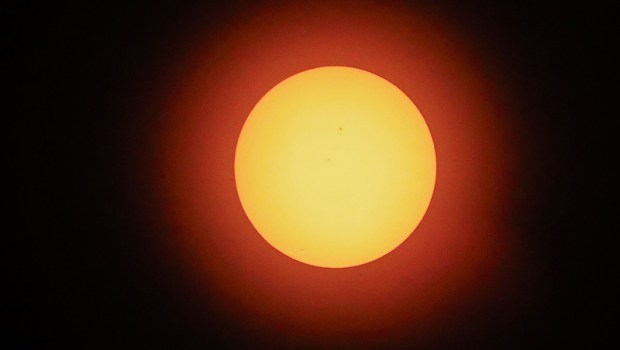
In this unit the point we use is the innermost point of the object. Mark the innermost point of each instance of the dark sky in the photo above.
(86, 275)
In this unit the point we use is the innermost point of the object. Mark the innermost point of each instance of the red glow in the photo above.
(452, 255)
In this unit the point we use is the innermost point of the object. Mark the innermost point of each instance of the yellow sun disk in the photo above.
(335, 167)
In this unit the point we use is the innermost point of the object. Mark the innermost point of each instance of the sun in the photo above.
(335, 167)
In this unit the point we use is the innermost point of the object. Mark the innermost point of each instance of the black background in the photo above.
(87, 277)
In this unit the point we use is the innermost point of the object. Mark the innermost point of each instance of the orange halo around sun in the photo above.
(335, 167)
(460, 251)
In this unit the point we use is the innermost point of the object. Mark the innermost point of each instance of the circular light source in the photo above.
(335, 167)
